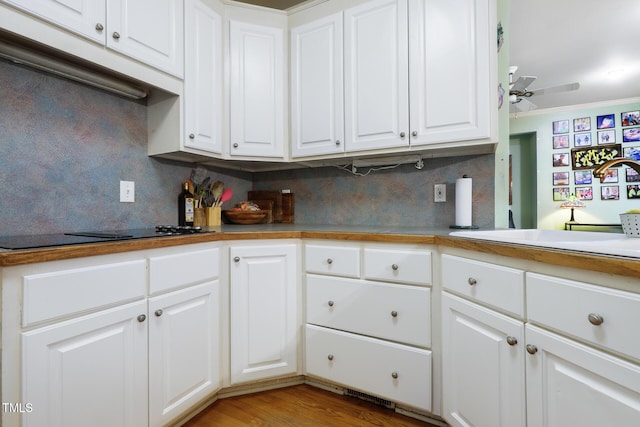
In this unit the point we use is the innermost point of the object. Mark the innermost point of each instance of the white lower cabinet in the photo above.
(90, 370)
(264, 313)
(483, 366)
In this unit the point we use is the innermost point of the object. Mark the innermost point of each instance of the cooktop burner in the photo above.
(84, 237)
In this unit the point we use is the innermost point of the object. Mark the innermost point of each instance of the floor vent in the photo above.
(369, 398)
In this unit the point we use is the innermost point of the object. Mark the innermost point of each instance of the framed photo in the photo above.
(561, 141)
(610, 175)
(592, 157)
(560, 126)
(584, 193)
(582, 124)
(560, 194)
(560, 159)
(631, 135)
(581, 139)
(606, 121)
(582, 177)
(609, 192)
(561, 178)
(633, 191)
(632, 175)
(630, 118)
(606, 137)
(632, 153)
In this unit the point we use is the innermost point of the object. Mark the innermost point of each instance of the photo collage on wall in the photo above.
(583, 143)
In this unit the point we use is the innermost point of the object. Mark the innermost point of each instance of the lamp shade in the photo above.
(571, 203)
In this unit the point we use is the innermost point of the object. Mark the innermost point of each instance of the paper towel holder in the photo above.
(463, 227)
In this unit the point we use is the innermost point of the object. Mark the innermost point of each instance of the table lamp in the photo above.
(571, 203)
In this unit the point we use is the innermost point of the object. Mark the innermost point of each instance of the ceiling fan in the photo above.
(519, 91)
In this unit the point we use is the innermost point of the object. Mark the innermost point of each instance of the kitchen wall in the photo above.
(536, 126)
(65, 147)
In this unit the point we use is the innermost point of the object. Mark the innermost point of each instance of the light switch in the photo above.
(127, 191)
(440, 193)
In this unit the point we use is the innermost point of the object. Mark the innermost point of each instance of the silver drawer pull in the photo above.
(394, 267)
(116, 35)
(99, 27)
(236, 259)
(158, 312)
(329, 261)
(394, 375)
(595, 319)
(394, 314)
(330, 303)
(512, 340)
(330, 357)
(141, 318)
(472, 281)
(532, 349)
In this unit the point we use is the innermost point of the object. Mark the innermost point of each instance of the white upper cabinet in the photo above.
(317, 117)
(203, 78)
(256, 90)
(450, 70)
(151, 31)
(376, 75)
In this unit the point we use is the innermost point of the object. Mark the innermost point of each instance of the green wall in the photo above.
(539, 123)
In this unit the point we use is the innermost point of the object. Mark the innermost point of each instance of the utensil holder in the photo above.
(212, 215)
(199, 219)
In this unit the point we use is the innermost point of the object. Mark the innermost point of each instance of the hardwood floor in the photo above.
(299, 406)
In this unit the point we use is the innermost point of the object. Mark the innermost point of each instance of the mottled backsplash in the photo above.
(64, 148)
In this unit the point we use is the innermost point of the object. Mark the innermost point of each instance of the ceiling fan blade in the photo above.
(522, 83)
(523, 105)
(556, 89)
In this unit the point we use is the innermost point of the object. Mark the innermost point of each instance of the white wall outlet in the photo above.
(440, 193)
(127, 191)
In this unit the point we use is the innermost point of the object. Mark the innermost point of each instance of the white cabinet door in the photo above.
(84, 17)
(376, 75)
(482, 366)
(184, 355)
(203, 78)
(88, 371)
(569, 384)
(317, 114)
(263, 309)
(450, 50)
(256, 90)
(151, 31)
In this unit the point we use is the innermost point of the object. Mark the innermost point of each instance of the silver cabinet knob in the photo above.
(330, 357)
(142, 318)
(330, 303)
(472, 281)
(329, 261)
(595, 319)
(402, 134)
(192, 136)
(394, 375)
(532, 349)
(512, 340)
(414, 133)
(235, 145)
(337, 142)
(236, 259)
(158, 312)
(99, 27)
(394, 267)
(394, 313)
(116, 35)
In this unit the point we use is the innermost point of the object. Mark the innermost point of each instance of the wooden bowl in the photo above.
(245, 217)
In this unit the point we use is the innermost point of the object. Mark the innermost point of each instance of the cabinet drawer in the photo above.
(393, 371)
(396, 312)
(65, 292)
(333, 260)
(495, 285)
(577, 308)
(403, 266)
(182, 269)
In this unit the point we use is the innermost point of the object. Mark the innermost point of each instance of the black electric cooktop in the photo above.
(84, 237)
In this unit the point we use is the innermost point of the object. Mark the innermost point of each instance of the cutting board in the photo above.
(274, 195)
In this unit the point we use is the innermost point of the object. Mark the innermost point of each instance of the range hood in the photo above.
(34, 58)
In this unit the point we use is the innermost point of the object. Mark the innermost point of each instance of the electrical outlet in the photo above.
(127, 191)
(440, 193)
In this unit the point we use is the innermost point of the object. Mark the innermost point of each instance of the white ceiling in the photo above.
(566, 41)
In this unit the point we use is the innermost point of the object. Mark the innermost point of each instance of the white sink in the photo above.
(584, 241)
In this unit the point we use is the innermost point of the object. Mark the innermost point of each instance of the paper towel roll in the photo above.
(464, 197)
